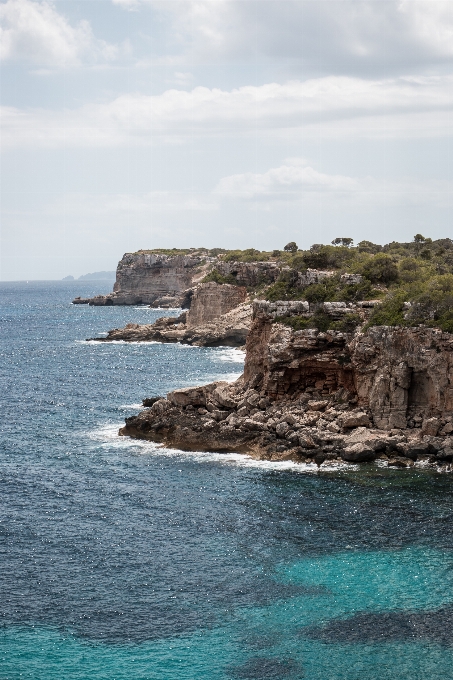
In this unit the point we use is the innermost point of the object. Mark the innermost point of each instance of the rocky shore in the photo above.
(312, 396)
(229, 330)
(218, 315)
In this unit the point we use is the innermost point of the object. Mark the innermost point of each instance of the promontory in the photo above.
(349, 350)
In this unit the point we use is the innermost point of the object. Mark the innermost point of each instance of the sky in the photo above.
(129, 124)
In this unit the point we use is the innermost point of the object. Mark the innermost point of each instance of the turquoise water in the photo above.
(122, 560)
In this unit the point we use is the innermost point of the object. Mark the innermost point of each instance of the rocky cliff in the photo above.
(402, 377)
(317, 397)
(153, 279)
(168, 281)
(210, 301)
(250, 274)
(218, 316)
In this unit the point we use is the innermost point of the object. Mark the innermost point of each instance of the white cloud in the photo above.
(331, 106)
(127, 4)
(36, 32)
(284, 182)
(296, 182)
(337, 35)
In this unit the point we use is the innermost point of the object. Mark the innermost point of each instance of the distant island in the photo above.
(94, 276)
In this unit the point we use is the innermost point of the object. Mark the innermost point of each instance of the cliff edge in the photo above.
(153, 279)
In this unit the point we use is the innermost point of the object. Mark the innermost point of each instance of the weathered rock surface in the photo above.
(401, 377)
(405, 376)
(211, 300)
(153, 279)
(250, 274)
(319, 397)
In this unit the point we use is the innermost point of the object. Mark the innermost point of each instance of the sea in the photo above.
(121, 560)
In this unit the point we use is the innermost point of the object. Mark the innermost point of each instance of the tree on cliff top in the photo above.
(343, 241)
(291, 247)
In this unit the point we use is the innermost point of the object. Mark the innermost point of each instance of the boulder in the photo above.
(219, 415)
(306, 442)
(398, 461)
(351, 420)
(150, 401)
(187, 395)
(317, 405)
(250, 424)
(447, 428)
(430, 427)
(445, 454)
(281, 429)
(253, 399)
(311, 418)
(358, 453)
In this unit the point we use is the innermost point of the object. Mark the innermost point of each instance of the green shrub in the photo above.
(298, 262)
(353, 292)
(343, 241)
(381, 269)
(325, 291)
(321, 322)
(216, 251)
(409, 270)
(445, 322)
(283, 290)
(347, 324)
(248, 255)
(390, 312)
(217, 277)
(368, 247)
(432, 302)
(329, 257)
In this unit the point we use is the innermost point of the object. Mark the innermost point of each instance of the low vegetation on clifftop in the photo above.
(413, 281)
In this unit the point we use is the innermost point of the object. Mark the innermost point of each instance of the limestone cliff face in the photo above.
(152, 279)
(211, 300)
(250, 273)
(402, 376)
(288, 362)
(405, 376)
(153, 276)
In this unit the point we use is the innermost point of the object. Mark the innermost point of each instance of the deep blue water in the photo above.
(120, 560)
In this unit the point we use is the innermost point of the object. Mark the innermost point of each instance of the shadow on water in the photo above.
(430, 626)
(328, 512)
(262, 668)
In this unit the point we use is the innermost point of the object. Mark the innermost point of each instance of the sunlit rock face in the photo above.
(153, 276)
(211, 300)
(152, 279)
(402, 376)
(405, 376)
